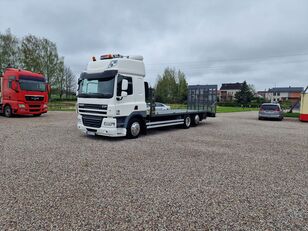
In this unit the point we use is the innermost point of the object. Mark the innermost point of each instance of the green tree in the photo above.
(37, 55)
(245, 95)
(40, 55)
(171, 87)
(182, 87)
(8, 50)
(166, 87)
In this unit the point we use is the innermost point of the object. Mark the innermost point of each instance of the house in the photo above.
(264, 94)
(228, 90)
(281, 94)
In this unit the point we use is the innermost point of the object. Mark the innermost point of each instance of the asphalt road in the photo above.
(232, 172)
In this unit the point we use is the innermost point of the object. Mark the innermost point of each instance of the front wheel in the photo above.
(8, 111)
(133, 128)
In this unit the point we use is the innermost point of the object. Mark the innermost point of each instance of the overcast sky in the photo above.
(264, 42)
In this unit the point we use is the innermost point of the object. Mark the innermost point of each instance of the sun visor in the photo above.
(102, 75)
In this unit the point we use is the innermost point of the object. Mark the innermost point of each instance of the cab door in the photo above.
(125, 105)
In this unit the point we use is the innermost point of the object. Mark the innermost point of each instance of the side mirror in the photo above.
(48, 88)
(124, 85)
(123, 94)
(14, 85)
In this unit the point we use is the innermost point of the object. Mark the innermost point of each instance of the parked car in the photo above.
(159, 106)
(270, 111)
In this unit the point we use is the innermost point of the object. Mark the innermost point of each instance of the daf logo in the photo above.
(35, 98)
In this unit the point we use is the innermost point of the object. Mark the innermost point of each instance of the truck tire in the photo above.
(134, 128)
(187, 122)
(195, 120)
(7, 111)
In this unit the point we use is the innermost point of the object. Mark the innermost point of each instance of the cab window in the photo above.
(119, 85)
(11, 78)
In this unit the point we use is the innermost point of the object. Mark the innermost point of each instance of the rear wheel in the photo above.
(7, 111)
(195, 120)
(133, 128)
(187, 122)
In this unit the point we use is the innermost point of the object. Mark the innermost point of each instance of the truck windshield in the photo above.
(31, 83)
(96, 86)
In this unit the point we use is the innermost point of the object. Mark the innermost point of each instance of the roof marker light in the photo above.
(108, 56)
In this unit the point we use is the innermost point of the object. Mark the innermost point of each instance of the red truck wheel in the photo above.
(7, 111)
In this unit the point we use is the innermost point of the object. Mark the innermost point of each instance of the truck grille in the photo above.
(92, 121)
(35, 106)
(93, 108)
(34, 98)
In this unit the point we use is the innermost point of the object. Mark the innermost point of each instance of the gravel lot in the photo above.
(232, 172)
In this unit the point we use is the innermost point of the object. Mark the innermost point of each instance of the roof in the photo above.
(122, 65)
(286, 89)
(231, 86)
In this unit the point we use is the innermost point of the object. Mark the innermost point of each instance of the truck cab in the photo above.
(23, 93)
(111, 95)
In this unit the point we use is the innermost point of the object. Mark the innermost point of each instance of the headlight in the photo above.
(79, 120)
(109, 124)
(21, 106)
(45, 106)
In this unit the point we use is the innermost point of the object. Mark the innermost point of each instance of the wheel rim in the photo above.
(135, 129)
(187, 121)
(197, 119)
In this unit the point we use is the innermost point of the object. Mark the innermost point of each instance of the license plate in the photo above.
(91, 133)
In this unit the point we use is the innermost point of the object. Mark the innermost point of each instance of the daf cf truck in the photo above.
(23, 93)
(112, 99)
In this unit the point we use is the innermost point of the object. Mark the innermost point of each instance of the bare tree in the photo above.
(70, 82)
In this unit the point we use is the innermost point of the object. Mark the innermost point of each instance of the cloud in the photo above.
(263, 42)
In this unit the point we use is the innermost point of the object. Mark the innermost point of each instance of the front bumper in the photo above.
(103, 130)
(29, 110)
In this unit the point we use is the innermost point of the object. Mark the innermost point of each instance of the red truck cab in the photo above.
(23, 93)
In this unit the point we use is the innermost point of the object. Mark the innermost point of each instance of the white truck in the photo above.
(112, 100)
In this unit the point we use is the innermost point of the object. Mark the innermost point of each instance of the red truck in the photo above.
(23, 93)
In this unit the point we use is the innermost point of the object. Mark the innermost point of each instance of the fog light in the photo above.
(109, 124)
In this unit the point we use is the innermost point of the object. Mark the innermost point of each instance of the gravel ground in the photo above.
(232, 172)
